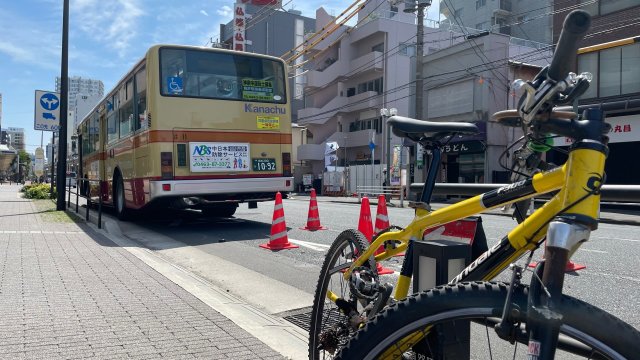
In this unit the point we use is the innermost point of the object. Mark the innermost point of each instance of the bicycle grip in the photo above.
(574, 28)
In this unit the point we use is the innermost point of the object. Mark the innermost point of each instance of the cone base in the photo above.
(314, 228)
(270, 246)
(383, 270)
(571, 266)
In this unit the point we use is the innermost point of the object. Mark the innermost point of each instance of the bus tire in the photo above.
(119, 202)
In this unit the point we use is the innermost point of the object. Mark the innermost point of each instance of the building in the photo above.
(616, 78)
(272, 31)
(15, 137)
(469, 82)
(350, 76)
(80, 85)
(529, 20)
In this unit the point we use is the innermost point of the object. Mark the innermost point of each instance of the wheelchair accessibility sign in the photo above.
(47, 111)
(174, 85)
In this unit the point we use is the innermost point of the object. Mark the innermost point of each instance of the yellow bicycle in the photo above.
(355, 316)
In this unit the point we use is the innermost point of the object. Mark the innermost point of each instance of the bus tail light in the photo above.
(286, 164)
(166, 187)
(166, 165)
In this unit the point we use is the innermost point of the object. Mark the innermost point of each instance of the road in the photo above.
(227, 253)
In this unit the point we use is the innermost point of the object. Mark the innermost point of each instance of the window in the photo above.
(604, 7)
(229, 76)
(125, 112)
(480, 3)
(141, 99)
(378, 47)
(630, 71)
(407, 49)
(112, 126)
(610, 72)
(351, 92)
(589, 63)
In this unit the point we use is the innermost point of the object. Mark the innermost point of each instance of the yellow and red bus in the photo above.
(191, 127)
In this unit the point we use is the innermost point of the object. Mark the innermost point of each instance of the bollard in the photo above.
(434, 263)
(100, 207)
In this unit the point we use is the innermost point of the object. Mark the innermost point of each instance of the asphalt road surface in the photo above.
(610, 281)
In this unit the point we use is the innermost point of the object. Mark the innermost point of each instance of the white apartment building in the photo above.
(351, 78)
(80, 85)
(16, 137)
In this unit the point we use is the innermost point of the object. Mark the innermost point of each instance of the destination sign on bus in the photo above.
(257, 90)
(210, 157)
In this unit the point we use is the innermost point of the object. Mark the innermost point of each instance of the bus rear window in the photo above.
(217, 75)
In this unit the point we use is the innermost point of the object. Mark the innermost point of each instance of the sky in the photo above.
(106, 38)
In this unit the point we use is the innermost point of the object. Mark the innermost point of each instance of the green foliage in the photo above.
(39, 191)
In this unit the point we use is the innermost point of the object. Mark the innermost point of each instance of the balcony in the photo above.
(308, 152)
(355, 138)
(317, 79)
(503, 9)
(322, 115)
(368, 62)
(365, 100)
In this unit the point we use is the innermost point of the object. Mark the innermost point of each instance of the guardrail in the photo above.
(613, 193)
(387, 191)
(83, 185)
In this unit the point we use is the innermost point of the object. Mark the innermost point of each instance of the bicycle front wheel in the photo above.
(329, 327)
(402, 330)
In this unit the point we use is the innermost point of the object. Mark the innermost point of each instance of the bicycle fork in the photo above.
(544, 315)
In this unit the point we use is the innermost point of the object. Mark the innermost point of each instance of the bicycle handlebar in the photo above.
(573, 30)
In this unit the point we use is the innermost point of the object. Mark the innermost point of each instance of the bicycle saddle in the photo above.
(419, 129)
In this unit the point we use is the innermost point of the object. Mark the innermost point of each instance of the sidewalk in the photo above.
(67, 292)
(611, 216)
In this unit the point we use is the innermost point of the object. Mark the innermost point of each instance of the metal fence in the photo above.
(609, 193)
(84, 190)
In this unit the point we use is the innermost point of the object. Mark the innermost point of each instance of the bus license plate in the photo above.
(264, 164)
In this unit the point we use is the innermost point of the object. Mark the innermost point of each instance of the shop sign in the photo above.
(464, 147)
(239, 27)
(623, 129)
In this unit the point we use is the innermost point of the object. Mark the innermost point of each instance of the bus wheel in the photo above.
(120, 205)
(224, 210)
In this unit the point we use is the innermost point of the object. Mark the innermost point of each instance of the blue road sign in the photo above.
(49, 101)
(372, 145)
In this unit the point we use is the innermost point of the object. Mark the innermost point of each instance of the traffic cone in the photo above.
(313, 219)
(571, 266)
(365, 226)
(382, 219)
(278, 239)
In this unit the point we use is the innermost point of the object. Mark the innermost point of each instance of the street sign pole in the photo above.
(64, 92)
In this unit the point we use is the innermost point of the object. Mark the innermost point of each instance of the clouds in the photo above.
(113, 24)
(225, 12)
(204, 13)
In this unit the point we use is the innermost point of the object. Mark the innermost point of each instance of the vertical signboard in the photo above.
(39, 164)
(239, 26)
(46, 111)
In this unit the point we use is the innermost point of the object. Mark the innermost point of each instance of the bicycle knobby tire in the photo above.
(602, 332)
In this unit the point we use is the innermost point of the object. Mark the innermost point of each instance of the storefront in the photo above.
(624, 148)
(463, 162)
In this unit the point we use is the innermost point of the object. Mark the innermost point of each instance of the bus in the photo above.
(190, 127)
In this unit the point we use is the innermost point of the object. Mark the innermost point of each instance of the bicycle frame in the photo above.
(581, 175)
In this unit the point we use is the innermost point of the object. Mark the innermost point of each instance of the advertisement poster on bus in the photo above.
(212, 157)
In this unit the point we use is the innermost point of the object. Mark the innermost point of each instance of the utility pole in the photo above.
(419, 6)
(64, 111)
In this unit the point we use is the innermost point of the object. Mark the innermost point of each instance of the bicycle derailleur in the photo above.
(366, 290)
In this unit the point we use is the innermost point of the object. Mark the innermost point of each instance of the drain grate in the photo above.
(303, 319)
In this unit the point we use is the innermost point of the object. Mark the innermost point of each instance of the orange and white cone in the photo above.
(313, 219)
(382, 219)
(571, 266)
(365, 226)
(278, 240)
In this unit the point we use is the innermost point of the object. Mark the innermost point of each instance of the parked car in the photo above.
(71, 179)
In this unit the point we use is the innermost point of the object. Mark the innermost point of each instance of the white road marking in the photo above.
(602, 238)
(595, 251)
(310, 245)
